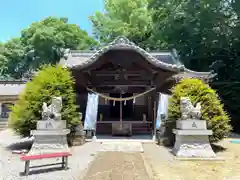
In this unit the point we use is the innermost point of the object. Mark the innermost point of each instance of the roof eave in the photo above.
(123, 43)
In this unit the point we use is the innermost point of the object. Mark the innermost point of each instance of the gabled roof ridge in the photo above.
(124, 43)
(94, 51)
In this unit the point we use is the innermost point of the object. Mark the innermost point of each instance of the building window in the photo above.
(5, 109)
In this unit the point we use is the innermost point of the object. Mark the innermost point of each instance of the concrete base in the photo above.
(154, 138)
(94, 138)
(193, 146)
(49, 142)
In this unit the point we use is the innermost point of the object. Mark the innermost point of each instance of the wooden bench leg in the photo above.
(66, 162)
(26, 171)
(63, 162)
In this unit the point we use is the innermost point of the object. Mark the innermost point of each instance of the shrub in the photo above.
(211, 107)
(50, 81)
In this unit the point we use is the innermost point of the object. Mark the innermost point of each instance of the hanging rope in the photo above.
(120, 99)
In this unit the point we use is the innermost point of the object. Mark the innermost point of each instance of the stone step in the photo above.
(136, 129)
(3, 122)
(3, 125)
(141, 129)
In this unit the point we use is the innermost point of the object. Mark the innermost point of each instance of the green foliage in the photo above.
(11, 57)
(129, 18)
(211, 107)
(206, 35)
(197, 29)
(42, 43)
(204, 32)
(50, 81)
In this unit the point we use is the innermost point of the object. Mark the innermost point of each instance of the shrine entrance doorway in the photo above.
(118, 107)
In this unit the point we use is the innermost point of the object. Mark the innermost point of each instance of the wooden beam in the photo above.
(113, 73)
(130, 89)
(121, 83)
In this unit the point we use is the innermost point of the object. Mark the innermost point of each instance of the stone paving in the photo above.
(117, 166)
(121, 146)
(118, 160)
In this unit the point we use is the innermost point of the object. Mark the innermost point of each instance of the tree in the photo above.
(46, 39)
(3, 60)
(43, 43)
(129, 18)
(211, 108)
(50, 81)
(199, 30)
(206, 35)
(227, 66)
(12, 55)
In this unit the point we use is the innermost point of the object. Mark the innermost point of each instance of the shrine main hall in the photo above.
(118, 87)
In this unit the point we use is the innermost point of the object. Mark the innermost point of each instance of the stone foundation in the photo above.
(193, 146)
(192, 139)
(78, 140)
(53, 141)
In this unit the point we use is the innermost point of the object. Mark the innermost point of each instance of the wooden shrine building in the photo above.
(121, 70)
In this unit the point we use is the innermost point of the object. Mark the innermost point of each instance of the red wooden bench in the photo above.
(27, 160)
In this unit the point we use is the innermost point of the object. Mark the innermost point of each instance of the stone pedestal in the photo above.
(192, 139)
(79, 137)
(50, 137)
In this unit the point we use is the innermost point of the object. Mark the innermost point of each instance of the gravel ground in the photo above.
(128, 163)
(11, 165)
(165, 166)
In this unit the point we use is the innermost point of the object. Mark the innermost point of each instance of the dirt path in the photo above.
(117, 166)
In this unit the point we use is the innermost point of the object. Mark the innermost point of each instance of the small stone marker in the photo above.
(194, 125)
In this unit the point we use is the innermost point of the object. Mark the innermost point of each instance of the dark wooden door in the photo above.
(127, 106)
(115, 106)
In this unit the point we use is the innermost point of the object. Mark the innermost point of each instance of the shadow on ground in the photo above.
(218, 148)
(42, 171)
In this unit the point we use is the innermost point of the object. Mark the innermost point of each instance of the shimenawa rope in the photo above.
(120, 99)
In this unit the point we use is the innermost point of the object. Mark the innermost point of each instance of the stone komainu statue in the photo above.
(53, 111)
(188, 110)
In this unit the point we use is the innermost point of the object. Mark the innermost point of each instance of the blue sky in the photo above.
(16, 15)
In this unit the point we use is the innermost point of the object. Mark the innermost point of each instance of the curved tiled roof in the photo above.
(11, 88)
(78, 59)
(205, 76)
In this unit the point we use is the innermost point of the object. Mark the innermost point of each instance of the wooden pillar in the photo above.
(120, 111)
(149, 106)
(154, 120)
(156, 100)
(0, 108)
